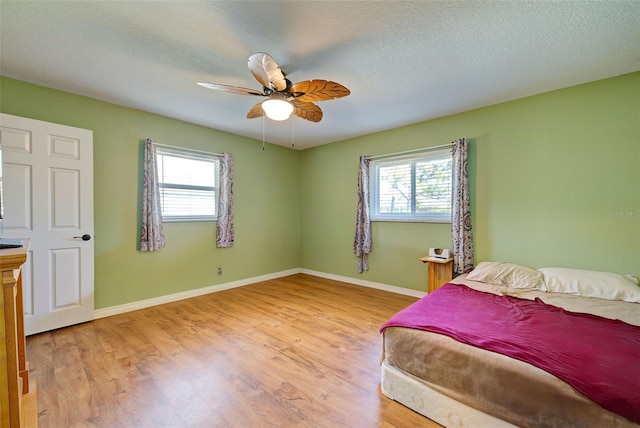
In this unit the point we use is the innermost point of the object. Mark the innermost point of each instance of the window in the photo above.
(412, 188)
(188, 182)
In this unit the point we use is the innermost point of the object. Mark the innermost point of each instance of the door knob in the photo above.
(84, 237)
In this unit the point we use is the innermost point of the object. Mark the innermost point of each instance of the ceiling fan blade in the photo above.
(266, 71)
(318, 90)
(308, 111)
(276, 76)
(256, 111)
(231, 89)
(258, 71)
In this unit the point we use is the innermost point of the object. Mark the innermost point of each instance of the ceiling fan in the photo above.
(282, 97)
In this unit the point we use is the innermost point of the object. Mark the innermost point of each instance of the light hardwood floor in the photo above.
(299, 351)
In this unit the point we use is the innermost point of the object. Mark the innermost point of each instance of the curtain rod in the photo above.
(407, 152)
(189, 150)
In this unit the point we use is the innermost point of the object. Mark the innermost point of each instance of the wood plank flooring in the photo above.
(299, 351)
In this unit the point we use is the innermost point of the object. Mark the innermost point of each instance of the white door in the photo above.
(47, 180)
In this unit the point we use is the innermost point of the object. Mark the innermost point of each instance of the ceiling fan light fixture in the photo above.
(277, 109)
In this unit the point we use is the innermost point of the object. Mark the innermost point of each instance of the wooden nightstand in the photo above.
(440, 272)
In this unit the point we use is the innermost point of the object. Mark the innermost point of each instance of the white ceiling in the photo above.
(404, 61)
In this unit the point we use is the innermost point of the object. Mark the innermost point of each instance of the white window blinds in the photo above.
(188, 182)
(412, 188)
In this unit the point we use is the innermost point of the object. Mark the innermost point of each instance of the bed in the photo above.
(440, 372)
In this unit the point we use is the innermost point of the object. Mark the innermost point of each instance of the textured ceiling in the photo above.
(404, 61)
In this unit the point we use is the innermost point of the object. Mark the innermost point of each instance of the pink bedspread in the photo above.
(597, 356)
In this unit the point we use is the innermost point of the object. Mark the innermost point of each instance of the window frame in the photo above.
(196, 155)
(412, 159)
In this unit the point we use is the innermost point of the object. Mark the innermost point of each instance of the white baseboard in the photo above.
(160, 300)
(364, 283)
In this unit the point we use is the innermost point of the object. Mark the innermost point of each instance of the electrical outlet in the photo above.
(219, 271)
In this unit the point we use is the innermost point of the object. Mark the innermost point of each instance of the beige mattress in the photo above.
(461, 385)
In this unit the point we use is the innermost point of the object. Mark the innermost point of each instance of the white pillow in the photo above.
(507, 274)
(603, 285)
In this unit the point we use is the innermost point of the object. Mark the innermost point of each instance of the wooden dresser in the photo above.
(18, 397)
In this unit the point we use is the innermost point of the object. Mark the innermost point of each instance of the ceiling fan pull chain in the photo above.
(293, 137)
(263, 133)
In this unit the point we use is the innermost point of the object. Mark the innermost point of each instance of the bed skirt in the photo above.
(420, 397)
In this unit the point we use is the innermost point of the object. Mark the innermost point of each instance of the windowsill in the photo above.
(397, 220)
(187, 220)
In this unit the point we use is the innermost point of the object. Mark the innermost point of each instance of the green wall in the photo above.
(267, 215)
(555, 182)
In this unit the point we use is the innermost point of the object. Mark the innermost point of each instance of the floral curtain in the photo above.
(461, 215)
(362, 240)
(152, 232)
(224, 225)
